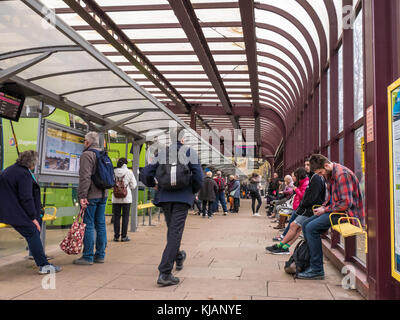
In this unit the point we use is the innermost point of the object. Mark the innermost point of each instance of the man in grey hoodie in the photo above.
(94, 201)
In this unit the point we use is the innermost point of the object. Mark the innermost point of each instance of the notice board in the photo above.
(394, 167)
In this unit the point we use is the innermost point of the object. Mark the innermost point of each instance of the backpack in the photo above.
(221, 184)
(103, 178)
(300, 259)
(120, 190)
(253, 187)
(173, 176)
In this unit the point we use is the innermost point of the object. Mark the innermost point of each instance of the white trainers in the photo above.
(257, 214)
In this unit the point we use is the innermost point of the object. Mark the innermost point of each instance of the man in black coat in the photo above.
(21, 207)
(208, 194)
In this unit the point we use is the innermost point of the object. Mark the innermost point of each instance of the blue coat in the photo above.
(19, 197)
(182, 196)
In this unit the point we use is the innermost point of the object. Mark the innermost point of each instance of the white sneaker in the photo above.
(257, 214)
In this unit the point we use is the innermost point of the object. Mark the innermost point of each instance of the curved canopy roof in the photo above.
(230, 61)
(42, 53)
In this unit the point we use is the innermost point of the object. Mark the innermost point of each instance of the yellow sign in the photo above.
(363, 155)
(394, 170)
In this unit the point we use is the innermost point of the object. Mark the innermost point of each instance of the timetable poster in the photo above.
(394, 108)
(63, 150)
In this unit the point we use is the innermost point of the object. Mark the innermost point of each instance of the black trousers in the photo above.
(175, 216)
(197, 203)
(236, 205)
(255, 196)
(207, 210)
(116, 210)
(32, 236)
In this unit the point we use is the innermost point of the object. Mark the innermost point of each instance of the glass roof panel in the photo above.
(271, 18)
(161, 16)
(273, 72)
(172, 57)
(72, 19)
(230, 57)
(280, 54)
(216, 32)
(180, 68)
(106, 108)
(62, 62)
(277, 64)
(165, 47)
(72, 82)
(276, 83)
(322, 13)
(95, 96)
(339, 13)
(278, 39)
(226, 45)
(295, 9)
(212, 15)
(151, 115)
(149, 125)
(272, 91)
(122, 116)
(21, 28)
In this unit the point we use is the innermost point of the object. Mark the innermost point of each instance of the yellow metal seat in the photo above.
(50, 217)
(145, 206)
(3, 225)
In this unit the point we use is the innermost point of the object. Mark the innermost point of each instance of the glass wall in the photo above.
(340, 87)
(358, 68)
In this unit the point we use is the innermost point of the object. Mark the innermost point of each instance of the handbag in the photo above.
(73, 242)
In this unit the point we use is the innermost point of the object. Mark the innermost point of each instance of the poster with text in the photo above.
(62, 151)
(394, 136)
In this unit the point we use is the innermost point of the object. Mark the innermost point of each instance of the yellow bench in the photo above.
(3, 225)
(145, 206)
(46, 217)
(346, 228)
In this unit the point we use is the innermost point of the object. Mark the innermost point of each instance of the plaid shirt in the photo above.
(344, 194)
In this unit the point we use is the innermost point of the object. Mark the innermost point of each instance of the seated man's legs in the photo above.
(313, 228)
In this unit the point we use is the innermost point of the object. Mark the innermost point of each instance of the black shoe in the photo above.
(280, 251)
(125, 239)
(167, 280)
(116, 239)
(179, 262)
(272, 248)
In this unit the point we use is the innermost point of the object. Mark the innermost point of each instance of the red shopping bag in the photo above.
(73, 242)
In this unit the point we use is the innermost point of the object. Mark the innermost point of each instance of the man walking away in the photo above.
(220, 198)
(175, 203)
(94, 200)
(344, 195)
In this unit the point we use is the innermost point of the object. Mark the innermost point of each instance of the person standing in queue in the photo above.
(208, 194)
(170, 172)
(21, 207)
(94, 201)
(122, 198)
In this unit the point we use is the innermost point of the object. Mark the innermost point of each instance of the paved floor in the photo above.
(226, 260)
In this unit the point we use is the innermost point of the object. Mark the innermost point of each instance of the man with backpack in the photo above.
(221, 193)
(179, 177)
(96, 175)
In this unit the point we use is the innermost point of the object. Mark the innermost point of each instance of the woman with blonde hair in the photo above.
(285, 195)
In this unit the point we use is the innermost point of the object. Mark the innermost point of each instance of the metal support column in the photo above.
(135, 169)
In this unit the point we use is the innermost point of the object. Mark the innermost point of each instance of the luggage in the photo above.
(103, 177)
(73, 242)
(300, 260)
(120, 190)
(173, 176)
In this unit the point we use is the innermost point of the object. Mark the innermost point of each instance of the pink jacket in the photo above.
(301, 189)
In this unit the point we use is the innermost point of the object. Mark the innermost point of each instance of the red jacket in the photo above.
(301, 189)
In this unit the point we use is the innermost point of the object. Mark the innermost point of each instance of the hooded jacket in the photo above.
(314, 195)
(301, 189)
(129, 182)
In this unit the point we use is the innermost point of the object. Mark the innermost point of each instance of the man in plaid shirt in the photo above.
(343, 195)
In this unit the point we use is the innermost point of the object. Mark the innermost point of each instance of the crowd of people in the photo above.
(328, 185)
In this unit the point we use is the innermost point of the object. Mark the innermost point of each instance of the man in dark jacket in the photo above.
(21, 207)
(314, 195)
(175, 205)
(208, 194)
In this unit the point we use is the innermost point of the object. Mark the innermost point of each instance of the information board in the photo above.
(61, 151)
(11, 104)
(394, 156)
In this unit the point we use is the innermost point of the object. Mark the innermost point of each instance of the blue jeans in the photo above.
(313, 227)
(95, 220)
(292, 218)
(32, 236)
(220, 198)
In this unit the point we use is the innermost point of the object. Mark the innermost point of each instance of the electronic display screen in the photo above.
(11, 104)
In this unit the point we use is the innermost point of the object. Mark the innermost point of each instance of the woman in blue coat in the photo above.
(21, 207)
